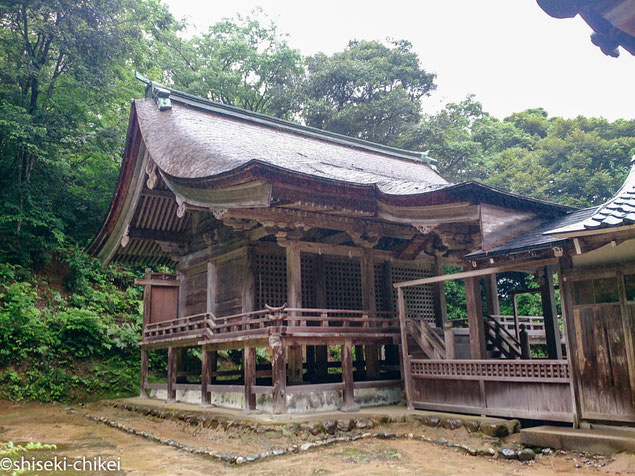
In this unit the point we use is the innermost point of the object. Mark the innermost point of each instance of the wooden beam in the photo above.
(177, 237)
(348, 404)
(278, 374)
(475, 318)
(478, 272)
(249, 372)
(321, 220)
(548, 298)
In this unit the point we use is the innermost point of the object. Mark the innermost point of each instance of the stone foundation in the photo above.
(305, 402)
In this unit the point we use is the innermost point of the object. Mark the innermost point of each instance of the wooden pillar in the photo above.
(249, 376)
(550, 313)
(406, 370)
(392, 351)
(211, 287)
(172, 351)
(147, 296)
(369, 303)
(628, 329)
(144, 374)
(321, 351)
(475, 318)
(278, 374)
(181, 364)
(438, 295)
(248, 291)
(348, 404)
(491, 290)
(449, 339)
(294, 300)
(205, 376)
(569, 327)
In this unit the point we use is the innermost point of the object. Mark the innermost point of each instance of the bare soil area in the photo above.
(75, 436)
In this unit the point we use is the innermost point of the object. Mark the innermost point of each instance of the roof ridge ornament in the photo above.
(426, 159)
(162, 97)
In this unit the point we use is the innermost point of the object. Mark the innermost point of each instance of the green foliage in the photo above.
(68, 343)
(370, 90)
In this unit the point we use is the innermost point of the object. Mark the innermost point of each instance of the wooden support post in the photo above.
(321, 351)
(294, 300)
(438, 295)
(249, 372)
(205, 376)
(348, 404)
(278, 374)
(550, 313)
(144, 374)
(181, 364)
(406, 370)
(475, 318)
(448, 337)
(392, 351)
(491, 290)
(367, 268)
(147, 297)
(628, 329)
(172, 351)
(569, 327)
(525, 352)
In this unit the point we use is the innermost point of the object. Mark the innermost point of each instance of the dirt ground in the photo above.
(75, 436)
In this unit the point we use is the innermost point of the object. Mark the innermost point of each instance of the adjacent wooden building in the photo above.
(324, 255)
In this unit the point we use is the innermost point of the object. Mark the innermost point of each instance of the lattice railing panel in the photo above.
(520, 370)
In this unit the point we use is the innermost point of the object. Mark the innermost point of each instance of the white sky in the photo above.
(509, 53)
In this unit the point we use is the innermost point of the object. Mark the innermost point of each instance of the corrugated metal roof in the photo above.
(618, 211)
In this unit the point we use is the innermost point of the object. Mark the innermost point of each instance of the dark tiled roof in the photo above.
(536, 238)
(618, 211)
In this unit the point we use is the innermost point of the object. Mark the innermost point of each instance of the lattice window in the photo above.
(308, 286)
(343, 284)
(271, 279)
(419, 299)
(379, 286)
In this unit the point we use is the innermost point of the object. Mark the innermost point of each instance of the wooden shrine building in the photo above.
(319, 260)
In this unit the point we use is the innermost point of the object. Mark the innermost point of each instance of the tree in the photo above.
(242, 62)
(370, 90)
(61, 103)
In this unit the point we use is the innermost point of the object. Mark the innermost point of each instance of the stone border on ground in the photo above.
(329, 427)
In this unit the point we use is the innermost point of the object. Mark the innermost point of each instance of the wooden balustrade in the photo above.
(292, 321)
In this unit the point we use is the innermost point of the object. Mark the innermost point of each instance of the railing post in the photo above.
(525, 352)
(448, 335)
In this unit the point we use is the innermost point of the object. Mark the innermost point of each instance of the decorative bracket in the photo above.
(125, 239)
(180, 210)
(151, 170)
(219, 213)
(424, 229)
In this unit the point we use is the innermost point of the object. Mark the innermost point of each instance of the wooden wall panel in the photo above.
(195, 292)
(163, 303)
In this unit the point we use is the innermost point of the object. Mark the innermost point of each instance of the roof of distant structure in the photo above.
(617, 212)
(612, 21)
